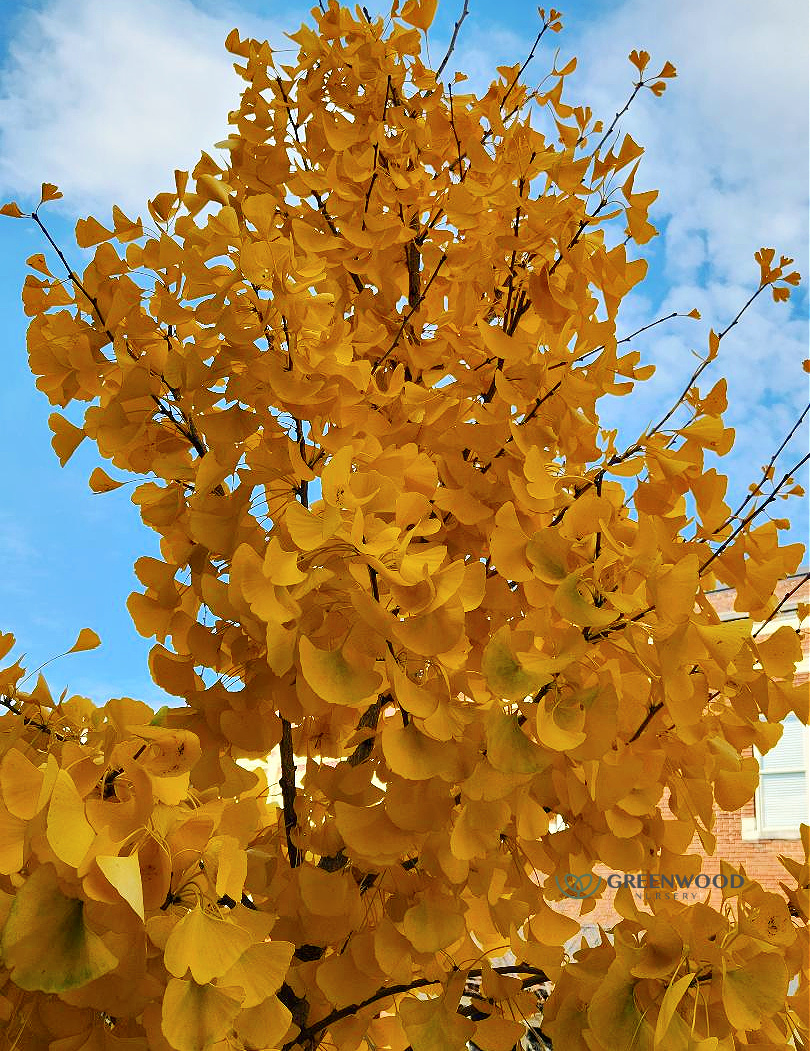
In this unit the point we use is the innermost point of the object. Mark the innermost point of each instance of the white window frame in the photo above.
(755, 828)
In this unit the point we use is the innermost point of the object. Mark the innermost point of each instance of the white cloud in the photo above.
(727, 147)
(107, 99)
(728, 142)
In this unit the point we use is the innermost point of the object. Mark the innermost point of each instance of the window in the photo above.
(782, 799)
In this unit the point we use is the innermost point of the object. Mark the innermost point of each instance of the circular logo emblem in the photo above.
(574, 886)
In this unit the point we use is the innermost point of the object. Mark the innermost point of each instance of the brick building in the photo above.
(768, 825)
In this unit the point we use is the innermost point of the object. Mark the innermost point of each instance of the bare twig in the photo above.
(636, 88)
(460, 162)
(802, 580)
(766, 473)
(413, 259)
(309, 1032)
(583, 225)
(755, 512)
(703, 365)
(73, 276)
(456, 28)
(530, 415)
(522, 69)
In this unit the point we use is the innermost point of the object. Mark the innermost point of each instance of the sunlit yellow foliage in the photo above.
(356, 370)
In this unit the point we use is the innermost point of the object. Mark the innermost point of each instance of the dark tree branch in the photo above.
(287, 785)
(8, 704)
(755, 512)
(652, 711)
(410, 314)
(766, 473)
(358, 284)
(310, 1032)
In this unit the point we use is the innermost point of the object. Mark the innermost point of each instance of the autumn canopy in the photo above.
(354, 368)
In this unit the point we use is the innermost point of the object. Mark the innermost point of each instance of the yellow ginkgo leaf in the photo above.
(49, 192)
(124, 873)
(342, 982)
(508, 544)
(477, 828)
(264, 1025)
(614, 1014)
(420, 13)
(574, 602)
(434, 1024)
(755, 991)
(497, 1033)
(509, 750)
(42, 916)
(101, 482)
(281, 566)
(672, 997)
(765, 916)
(69, 833)
(12, 842)
(734, 788)
(547, 553)
(260, 971)
(417, 757)
(560, 724)
(419, 700)
(551, 927)
(90, 232)
(170, 752)
(26, 788)
(87, 640)
(724, 641)
(205, 945)
(661, 952)
(325, 893)
(506, 677)
(156, 873)
(195, 1016)
(334, 679)
(370, 833)
(673, 591)
(780, 652)
(66, 437)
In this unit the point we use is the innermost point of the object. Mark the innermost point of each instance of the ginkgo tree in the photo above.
(356, 368)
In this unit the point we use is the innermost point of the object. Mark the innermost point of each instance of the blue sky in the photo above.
(107, 97)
